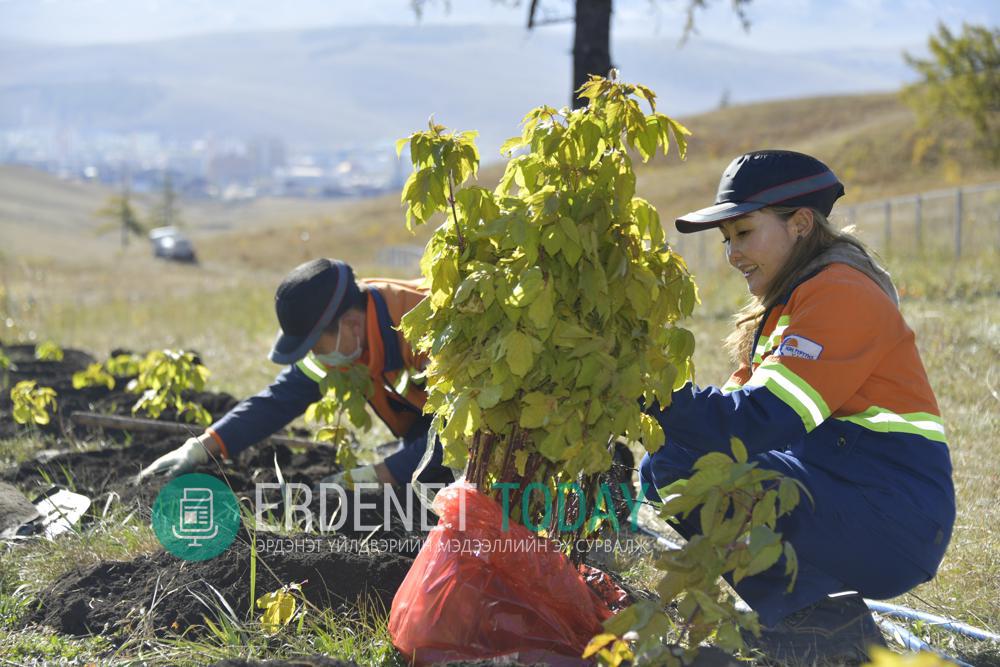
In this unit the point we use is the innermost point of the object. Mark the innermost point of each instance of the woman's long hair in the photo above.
(807, 248)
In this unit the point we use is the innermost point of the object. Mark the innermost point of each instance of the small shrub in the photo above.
(48, 351)
(164, 376)
(32, 403)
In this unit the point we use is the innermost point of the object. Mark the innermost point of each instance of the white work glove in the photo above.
(184, 459)
(348, 478)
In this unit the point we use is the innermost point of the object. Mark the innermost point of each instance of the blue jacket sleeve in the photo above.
(257, 417)
(706, 419)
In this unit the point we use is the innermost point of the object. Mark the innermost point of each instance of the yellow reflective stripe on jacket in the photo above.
(793, 391)
(312, 368)
(773, 340)
(731, 387)
(886, 421)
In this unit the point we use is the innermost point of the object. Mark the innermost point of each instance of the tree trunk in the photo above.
(591, 43)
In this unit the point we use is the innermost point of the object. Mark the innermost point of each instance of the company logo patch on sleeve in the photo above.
(798, 346)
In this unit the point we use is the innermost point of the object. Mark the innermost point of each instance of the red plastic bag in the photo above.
(482, 592)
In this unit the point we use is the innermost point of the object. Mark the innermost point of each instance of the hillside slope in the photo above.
(868, 140)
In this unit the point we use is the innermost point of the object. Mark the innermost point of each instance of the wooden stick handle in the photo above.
(118, 422)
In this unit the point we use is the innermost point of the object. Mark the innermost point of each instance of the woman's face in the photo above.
(758, 244)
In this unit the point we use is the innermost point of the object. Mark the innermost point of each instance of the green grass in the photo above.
(91, 296)
(118, 534)
(362, 637)
(952, 307)
(44, 647)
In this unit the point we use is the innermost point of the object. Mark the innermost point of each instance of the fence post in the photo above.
(888, 227)
(958, 223)
(918, 214)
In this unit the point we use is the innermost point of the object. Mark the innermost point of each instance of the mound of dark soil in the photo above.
(101, 473)
(55, 374)
(112, 472)
(115, 469)
(160, 592)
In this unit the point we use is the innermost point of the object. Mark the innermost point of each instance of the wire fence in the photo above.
(959, 221)
(955, 222)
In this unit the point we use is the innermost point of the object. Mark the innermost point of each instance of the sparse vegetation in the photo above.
(120, 214)
(227, 314)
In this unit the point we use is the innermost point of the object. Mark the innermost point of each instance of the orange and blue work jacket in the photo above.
(834, 379)
(396, 398)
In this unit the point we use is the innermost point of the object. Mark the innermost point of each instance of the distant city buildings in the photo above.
(205, 167)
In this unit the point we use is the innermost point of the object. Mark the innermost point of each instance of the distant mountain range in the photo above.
(334, 86)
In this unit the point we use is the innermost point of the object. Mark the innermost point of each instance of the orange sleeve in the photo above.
(841, 326)
(218, 440)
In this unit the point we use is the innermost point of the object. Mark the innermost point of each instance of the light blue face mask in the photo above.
(336, 358)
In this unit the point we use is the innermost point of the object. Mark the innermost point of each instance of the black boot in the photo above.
(834, 631)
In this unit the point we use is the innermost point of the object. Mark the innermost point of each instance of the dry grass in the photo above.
(92, 296)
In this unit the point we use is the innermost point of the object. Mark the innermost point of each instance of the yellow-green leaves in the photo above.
(93, 376)
(104, 375)
(737, 506)
(442, 162)
(48, 351)
(519, 352)
(123, 365)
(640, 634)
(537, 409)
(279, 607)
(609, 650)
(345, 392)
(540, 310)
(557, 284)
(652, 433)
(960, 85)
(165, 380)
(31, 403)
(739, 450)
(425, 193)
(882, 657)
(465, 420)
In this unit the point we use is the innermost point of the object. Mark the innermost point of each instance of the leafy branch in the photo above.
(553, 299)
(345, 392)
(737, 506)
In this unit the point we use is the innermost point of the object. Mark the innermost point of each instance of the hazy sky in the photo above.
(778, 25)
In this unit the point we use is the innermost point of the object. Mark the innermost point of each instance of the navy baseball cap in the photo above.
(767, 178)
(310, 297)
